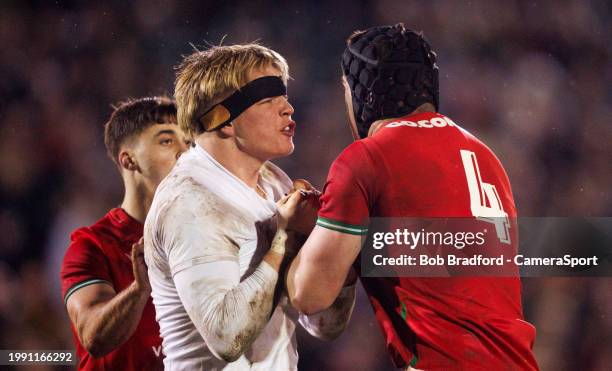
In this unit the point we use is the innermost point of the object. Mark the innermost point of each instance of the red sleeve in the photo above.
(84, 264)
(349, 192)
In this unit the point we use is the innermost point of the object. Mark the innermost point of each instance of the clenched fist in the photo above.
(298, 209)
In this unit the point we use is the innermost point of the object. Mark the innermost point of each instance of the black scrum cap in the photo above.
(391, 71)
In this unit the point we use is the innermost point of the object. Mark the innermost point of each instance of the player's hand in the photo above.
(308, 208)
(304, 185)
(139, 267)
(299, 208)
(302, 213)
(286, 209)
(306, 214)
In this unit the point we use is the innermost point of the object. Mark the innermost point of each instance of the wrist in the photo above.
(279, 242)
(141, 290)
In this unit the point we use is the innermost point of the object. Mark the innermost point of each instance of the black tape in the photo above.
(243, 98)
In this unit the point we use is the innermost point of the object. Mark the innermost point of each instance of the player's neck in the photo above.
(376, 125)
(137, 201)
(236, 161)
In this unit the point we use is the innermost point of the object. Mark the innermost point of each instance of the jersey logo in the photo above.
(484, 199)
(157, 350)
(435, 122)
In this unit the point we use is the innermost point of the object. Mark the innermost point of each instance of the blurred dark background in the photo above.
(532, 79)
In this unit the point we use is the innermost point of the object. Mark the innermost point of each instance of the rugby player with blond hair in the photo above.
(219, 228)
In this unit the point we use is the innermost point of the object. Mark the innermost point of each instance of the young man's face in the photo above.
(265, 130)
(156, 150)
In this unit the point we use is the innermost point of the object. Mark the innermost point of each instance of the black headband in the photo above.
(224, 112)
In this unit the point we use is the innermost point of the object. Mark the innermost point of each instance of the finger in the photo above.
(284, 199)
(310, 195)
(293, 200)
(314, 193)
(135, 253)
(139, 246)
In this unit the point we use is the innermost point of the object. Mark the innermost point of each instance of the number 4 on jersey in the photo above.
(484, 199)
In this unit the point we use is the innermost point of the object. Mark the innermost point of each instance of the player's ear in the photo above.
(348, 102)
(127, 160)
(228, 130)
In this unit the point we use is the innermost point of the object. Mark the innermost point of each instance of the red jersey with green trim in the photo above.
(101, 254)
(424, 165)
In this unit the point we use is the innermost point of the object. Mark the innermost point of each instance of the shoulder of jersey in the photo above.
(182, 177)
(94, 235)
(352, 150)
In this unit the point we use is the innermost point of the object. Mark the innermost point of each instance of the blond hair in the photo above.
(205, 78)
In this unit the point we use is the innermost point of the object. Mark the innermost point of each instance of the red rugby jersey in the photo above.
(416, 166)
(101, 253)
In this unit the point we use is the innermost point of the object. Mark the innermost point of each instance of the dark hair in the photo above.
(132, 116)
(391, 71)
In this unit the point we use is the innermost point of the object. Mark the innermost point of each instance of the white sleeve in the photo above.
(329, 323)
(228, 314)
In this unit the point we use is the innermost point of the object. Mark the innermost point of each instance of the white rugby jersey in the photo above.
(205, 237)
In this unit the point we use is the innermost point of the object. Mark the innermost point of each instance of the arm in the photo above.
(104, 319)
(329, 324)
(228, 313)
(317, 273)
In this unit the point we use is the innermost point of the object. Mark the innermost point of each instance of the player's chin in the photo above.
(290, 148)
(285, 150)
(287, 146)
